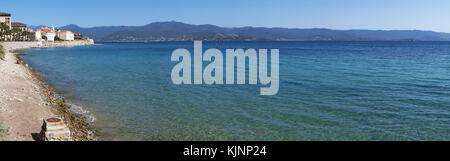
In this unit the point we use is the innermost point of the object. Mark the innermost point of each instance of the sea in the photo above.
(328, 90)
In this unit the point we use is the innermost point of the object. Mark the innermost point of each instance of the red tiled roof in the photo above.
(4, 14)
(44, 29)
(64, 31)
(18, 24)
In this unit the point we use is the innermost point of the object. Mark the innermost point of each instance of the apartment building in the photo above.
(6, 18)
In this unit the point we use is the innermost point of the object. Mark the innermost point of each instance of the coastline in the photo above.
(25, 99)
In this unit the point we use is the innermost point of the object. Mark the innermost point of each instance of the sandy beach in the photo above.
(23, 102)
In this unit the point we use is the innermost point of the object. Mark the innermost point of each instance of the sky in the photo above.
(431, 15)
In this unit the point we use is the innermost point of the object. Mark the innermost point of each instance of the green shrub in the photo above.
(2, 53)
(3, 133)
(58, 39)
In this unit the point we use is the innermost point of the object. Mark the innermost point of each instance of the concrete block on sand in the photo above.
(54, 129)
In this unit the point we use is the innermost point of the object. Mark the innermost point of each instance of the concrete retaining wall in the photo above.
(34, 44)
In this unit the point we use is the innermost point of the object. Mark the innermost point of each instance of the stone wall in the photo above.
(8, 45)
(68, 43)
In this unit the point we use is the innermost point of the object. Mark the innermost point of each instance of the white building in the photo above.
(37, 35)
(50, 36)
(5, 18)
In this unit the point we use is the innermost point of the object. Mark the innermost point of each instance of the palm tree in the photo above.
(16, 34)
(8, 35)
(3, 30)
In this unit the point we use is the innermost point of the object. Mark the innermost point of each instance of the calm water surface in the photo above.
(328, 91)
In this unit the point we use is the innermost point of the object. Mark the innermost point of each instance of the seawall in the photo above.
(16, 45)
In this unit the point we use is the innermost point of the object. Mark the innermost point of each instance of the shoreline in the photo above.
(22, 117)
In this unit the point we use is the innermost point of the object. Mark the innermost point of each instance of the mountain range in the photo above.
(177, 31)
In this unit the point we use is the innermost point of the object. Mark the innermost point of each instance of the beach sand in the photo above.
(23, 103)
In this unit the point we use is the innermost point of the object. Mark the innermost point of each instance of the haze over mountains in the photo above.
(177, 31)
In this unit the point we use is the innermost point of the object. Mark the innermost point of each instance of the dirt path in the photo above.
(22, 106)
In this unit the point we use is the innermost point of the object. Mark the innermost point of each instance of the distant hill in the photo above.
(177, 31)
(97, 32)
(36, 27)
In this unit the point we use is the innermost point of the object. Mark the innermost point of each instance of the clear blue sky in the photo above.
(335, 14)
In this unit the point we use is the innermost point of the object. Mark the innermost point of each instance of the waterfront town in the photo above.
(29, 109)
(18, 31)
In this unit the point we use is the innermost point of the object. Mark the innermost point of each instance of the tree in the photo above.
(8, 34)
(79, 37)
(30, 35)
(3, 30)
(57, 38)
(16, 34)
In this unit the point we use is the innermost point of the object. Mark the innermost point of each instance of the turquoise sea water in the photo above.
(328, 91)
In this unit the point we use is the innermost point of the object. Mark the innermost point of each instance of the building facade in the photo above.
(5, 18)
(36, 35)
(18, 25)
(66, 35)
(50, 36)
